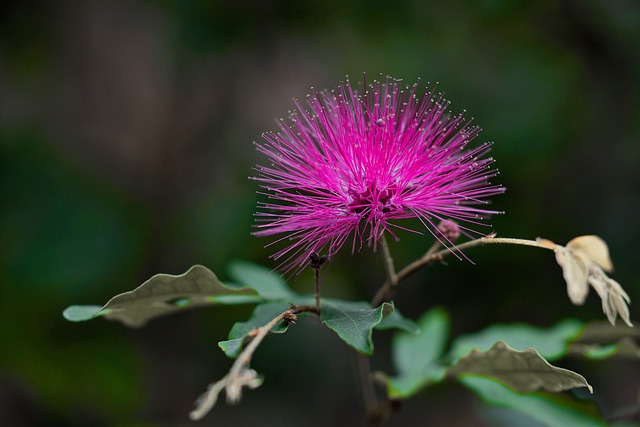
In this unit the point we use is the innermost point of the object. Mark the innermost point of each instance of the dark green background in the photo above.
(126, 134)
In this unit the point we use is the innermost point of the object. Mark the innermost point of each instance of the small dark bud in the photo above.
(317, 260)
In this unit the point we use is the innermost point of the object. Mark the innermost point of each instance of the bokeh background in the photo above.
(126, 132)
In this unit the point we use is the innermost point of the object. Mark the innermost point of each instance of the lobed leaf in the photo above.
(523, 371)
(553, 410)
(354, 321)
(164, 294)
(552, 343)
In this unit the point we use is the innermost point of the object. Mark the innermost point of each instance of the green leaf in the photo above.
(413, 353)
(235, 299)
(523, 371)
(354, 321)
(551, 343)
(162, 294)
(415, 356)
(231, 347)
(395, 320)
(405, 386)
(267, 283)
(80, 313)
(261, 315)
(553, 410)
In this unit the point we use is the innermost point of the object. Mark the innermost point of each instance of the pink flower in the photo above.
(348, 164)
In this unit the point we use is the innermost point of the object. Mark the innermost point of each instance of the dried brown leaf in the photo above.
(594, 248)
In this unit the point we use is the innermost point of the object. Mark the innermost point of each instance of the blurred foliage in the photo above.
(125, 143)
(59, 225)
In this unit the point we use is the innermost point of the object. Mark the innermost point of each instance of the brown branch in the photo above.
(240, 375)
(390, 268)
(433, 255)
(289, 316)
(369, 398)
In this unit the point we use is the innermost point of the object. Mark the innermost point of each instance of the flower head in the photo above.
(349, 164)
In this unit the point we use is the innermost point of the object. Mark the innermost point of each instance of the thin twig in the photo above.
(316, 263)
(434, 247)
(244, 358)
(239, 375)
(317, 286)
(436, 256)
(389, 286)
(369, 397)
(290, 315)
(390, 268)
(432, 255)
(372, 405)
(376, 411)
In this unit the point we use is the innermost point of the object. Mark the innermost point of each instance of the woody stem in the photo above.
(317, 287)
(433, 255)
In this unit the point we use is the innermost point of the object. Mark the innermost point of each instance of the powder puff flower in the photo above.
(347, 165)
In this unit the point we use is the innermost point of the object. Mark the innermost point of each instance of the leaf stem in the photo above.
(369, 397)
(316, 263)
(390, 268)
